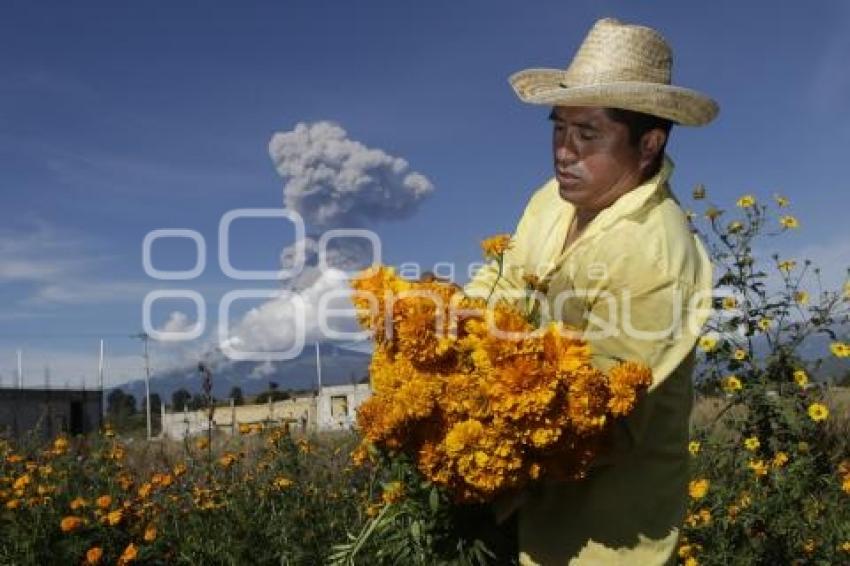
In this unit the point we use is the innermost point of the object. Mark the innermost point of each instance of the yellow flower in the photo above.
(94, 555)
(226, 460)
(691, 561)
(845, 485)
(129, 555)
(787, 265)
(282, 482)
(70, 523)
(845, 546)
(729, 303)
(688, 549)
(764, 324)
(780, 459)
(789, 221)
(740, 354)
(495, 246)
(840, 349)
(202, 443)
(846, 292)
(77, 503)
(758, 467)
(713, 213)
(708, 343)
(393, 492)
(734, 227)
(731, 384)
(781, 201)
(818, 412)
(802, 297)
(114, 517)
(801, 378)
(13, 504)
(60, 445)
(145, 490)
(693, 447)
(809, 546)
(150, 533)
(746, 201)
(22, 482)
(698, 488)
(752, 443)
(104, 501)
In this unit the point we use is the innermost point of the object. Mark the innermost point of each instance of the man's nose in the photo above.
(565, 150)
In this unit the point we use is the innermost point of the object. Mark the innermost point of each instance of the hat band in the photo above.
(643, 75)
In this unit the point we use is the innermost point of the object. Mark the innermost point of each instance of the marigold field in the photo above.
(770, 447)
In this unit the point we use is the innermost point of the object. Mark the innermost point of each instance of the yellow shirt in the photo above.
(638, 283)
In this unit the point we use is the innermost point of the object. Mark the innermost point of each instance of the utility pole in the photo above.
(20, 369)
(143, 336)
(318, 369)
(100, 383)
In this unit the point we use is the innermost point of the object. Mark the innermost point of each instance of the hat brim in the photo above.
(552, 87)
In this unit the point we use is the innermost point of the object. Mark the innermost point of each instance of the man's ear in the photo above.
(650, 145)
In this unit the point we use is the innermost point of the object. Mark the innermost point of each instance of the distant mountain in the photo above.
(339, 366)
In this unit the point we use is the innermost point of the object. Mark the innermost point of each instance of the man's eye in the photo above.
(586, 136)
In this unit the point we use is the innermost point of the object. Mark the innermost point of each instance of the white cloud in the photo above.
(333, 182)
(273, 326)
(337, 182)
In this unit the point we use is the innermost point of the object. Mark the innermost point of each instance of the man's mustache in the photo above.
(565, 169)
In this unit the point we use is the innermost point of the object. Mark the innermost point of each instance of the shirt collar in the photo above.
(631, 203)
(634, 200)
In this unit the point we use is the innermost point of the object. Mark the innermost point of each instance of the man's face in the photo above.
(594, 162)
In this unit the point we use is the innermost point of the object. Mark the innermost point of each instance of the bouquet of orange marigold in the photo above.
(479, 398)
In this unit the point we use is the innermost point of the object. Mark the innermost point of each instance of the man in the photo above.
(619, 262)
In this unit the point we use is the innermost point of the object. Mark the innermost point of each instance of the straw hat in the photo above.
(619, 66)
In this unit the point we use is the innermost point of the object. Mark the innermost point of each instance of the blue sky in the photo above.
(120, 118)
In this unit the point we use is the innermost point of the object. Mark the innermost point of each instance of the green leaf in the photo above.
(434, 500)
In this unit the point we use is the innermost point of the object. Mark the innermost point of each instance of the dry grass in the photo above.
(707, 408)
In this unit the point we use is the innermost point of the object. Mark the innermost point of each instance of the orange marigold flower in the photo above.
(113, 518)
(758, 467)
(94, 555)
(697, 489)
(150, 534)
(70, 523)
(495, 246)
(129, 555)
(780, 459)
(393, 492)
(227, 459)
(104, 501)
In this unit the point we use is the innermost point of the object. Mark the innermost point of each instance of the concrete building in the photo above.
(336, 405)
(44, 413)
(334, 408)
